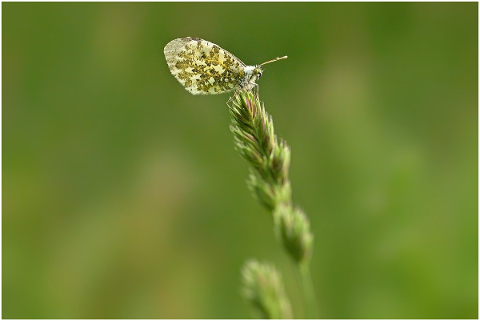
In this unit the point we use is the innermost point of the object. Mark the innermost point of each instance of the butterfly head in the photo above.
(255, 72)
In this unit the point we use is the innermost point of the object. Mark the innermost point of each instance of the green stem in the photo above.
(311, 310)
(269, 158)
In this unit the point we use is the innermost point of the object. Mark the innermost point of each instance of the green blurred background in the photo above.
(123, 196)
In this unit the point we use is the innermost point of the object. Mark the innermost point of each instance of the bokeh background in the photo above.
(123, 196)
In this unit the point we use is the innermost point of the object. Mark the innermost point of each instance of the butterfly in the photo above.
(205, 68)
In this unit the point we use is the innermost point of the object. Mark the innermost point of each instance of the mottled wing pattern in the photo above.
(202, 67)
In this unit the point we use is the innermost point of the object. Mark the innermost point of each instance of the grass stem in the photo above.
(269, 160)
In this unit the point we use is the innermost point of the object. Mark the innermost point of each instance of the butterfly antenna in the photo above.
(273, 60)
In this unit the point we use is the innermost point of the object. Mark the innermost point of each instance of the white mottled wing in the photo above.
(202, 67)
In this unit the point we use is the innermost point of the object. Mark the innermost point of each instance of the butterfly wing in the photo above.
(202, 67)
